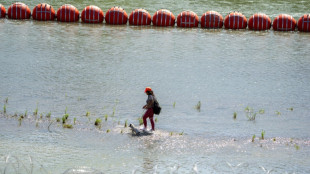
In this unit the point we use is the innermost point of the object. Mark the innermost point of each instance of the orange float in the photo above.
(68, 13)
(259, 21)
(304, 23)
(187, 19)
(235, 20)
(164, 18)
(19, 10)
(140, 17)
(116, 16)
(211, 19)
(92, 14)
(2, 11)
(284, 22)
(43, 12)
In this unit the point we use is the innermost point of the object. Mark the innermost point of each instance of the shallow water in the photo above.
(101, 69)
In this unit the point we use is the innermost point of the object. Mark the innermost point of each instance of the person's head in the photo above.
(148, 91)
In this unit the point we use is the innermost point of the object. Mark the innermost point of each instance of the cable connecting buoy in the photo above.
(43, 12)
(116, 16)
(92, 14)
(187, 19)
(235, 21)
(19, 10)
(284, 22)
(2, 11)
(259, 21)
(140, 17)
(211, 19)
(164, 18)
(304, 23)
(68, 13)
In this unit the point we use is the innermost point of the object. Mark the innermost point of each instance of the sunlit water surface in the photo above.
(78, 68)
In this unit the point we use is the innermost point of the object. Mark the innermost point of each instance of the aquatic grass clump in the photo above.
(140, 121)
(65, 118)
(173, 104)
(263, 135)
(297, 147)
(108, 131)
(4, 109)
(74, 121)
(126, 123)
(36, 111)
(106, 117)
(235, 115)
(98, 122)
(58, 120)
(290, 109)
(198, 106)
(68, 126)
(250, 114)
(156, 119)
(48, 115)
(87, 113)
(253, 138)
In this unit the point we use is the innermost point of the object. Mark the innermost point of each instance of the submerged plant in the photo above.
(87, 113)
(140, 121)
(126, 123)
(26, 113)
(57, 119)
(198, 106)
(108, 130)
(68, 126)
(297, 147)
(74, 120)
(249, 113)
(290, 109)
(4, 109)
(235, 115)
(253, 138)
(181, 133)
(278, 113)
(106, 117)
(36, 111)
(261, 111)
(65, 118)
(263, 135)
(156, 119)
(48, 115)
(274, 139)
(98, 122)
(173, 104)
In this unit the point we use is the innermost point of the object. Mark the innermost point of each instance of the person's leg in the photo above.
(144, 120)
(152, 123)
(149, 113)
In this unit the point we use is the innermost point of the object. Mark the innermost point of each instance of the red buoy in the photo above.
(68, 13)
(187, 19)
(140, 17)
(235, 20)
(259, 21)
(116, 16)
(92, 14)
(19, 10)
(211, 19)
(2, 11)
(164, 18)
(284, 22)
(43, 12)
(304, 23)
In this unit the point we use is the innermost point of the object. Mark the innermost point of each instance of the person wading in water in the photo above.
(149, 108)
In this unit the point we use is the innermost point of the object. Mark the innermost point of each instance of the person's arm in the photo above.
(149, 104)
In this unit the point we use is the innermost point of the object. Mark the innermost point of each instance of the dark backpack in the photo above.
(156, 108)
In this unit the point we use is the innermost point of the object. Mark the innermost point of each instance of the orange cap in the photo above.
(147, 89)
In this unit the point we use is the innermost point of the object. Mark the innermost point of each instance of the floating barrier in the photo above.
(259, 21)
(2, 11)
(116, 16)
(92, 14)
(140, 17)
(163, 18)
(68, 13)
(43, 12)
(187, 19)
(19, 10)
(284, 22)
(211, 19)
(304, 23)
(235, 20)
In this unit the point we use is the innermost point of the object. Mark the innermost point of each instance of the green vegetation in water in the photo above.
(140, 121)
(274, 139)
(263, 135)
(290, 109)
(253, 138)
(87, 113)
(106, 117)
(41, 116)
(250, 114)
(65, 118)
(198, 106)
(235, 115)
(36, 111)
(173, 104)
(261, 111)
(58, 120)
(113, 113)
(122, 131)
(98, 122)
(48, 115)
(278, 113)
(126, 123)
(297, 147)
(108, 130)
(4, 109)
(37, 124)
(182, 133)
(68, 126)
(74, 121)
(156, 119)
(26, 113)
(171, 133)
